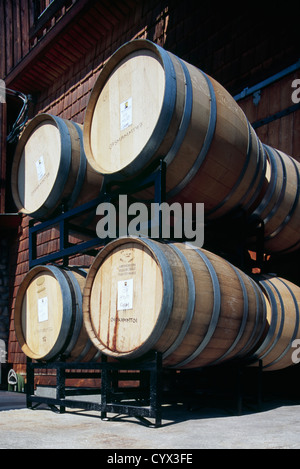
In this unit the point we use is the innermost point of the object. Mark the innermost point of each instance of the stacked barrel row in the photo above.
(48, 315)
(140, 294)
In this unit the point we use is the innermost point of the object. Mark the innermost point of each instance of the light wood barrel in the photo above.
(189, 304)
(280, 205)
(283, 323)
(48, 315)
(50, 168)
(149, 104)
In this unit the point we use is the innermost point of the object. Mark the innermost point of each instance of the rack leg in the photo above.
(239, 390)
(30, 383)
(260, 245)
(155, 389)
(104, 389)
(259, 385)
(61, 386)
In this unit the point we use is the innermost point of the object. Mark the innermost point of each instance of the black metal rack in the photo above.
(112, 398)
(142, 402)
(63, 221)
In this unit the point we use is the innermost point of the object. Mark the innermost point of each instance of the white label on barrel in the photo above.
(40, 168)
(43, 309)
(125, 294)
(126, 114)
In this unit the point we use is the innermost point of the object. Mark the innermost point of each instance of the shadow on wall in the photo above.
(4, 292)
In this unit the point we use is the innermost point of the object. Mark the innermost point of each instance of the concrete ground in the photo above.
(277, 425)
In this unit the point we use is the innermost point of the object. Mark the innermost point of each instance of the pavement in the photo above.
(204, 425)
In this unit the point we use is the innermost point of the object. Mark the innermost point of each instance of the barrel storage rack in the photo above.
(150, 387)
(64, 220)
(183, 146)
(113, 398)
(144, 402)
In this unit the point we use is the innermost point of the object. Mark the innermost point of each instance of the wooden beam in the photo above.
(46, 42)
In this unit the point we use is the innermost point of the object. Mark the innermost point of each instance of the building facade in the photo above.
(53, 51)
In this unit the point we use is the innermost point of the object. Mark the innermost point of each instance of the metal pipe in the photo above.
(268, 81)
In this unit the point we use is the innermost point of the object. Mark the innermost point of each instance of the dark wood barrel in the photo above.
(279, 207)
(282, 298)
(187, 303)
(48, 315)
(50, 168)
(149, 104)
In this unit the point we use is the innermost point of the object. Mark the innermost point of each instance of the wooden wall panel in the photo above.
(15, 21)
(2, 41)
(279, 131)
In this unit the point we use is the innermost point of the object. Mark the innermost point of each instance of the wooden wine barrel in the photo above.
(280, 205)
(149, 104)
(283, 323)
(48, 315)
(189, 304)
(50, 168)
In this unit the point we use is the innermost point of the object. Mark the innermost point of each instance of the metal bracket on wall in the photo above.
(256, 97)
(268, 81)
